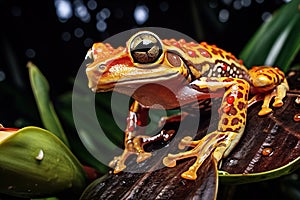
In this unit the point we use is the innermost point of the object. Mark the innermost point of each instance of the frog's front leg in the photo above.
(134, 142)
(232, 120)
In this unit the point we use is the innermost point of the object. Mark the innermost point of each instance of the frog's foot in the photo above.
(135, 146)
(118, 163)
(278, 93)
(215, 144)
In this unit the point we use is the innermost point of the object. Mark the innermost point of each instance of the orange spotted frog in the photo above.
(174, 73)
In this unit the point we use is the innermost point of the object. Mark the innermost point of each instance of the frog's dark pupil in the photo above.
(145, 49)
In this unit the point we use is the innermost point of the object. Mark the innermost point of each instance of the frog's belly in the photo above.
(159, 96)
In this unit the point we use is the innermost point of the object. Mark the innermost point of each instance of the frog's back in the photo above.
(208, 60)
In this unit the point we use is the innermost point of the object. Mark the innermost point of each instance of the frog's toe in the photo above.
(264, 111)
(143, 156)
(278, 102)
(119, 167)
(113, 163)
(190, 175)
(169, 161)
(118, 164)
(186, 141)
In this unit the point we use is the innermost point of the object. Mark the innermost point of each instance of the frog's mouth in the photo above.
(130, 82)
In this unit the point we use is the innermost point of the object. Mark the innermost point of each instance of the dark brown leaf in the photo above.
(165, 183)
(269, 142)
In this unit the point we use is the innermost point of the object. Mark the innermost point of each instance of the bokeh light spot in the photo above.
(164, 6)
(246, 3)
(81, 11)
(63, 10)
(141, 14)
(227, 2)
(266, 16)
(223, 15)
(237, 5)
(66, 36)
(213, 4)
(92, 4)
(2, 76)
(88, 42)
(105, 13)
(30, 53)
(101, 25)
(259, 1)
(78, 32)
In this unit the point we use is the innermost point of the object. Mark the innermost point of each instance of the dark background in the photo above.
(33, 30)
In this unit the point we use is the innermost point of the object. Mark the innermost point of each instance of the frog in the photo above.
(169, 73)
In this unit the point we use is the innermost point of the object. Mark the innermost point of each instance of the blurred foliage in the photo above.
(40, 88)
(277, 42)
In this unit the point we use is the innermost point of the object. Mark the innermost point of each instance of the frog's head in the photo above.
(263, 78)
(144, 60)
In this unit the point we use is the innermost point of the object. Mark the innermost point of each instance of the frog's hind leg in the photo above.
(278, 93)
(219, 143)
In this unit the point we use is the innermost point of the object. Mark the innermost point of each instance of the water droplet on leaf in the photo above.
(297, 118)
(267, 151)
(233, 162)
(297, 100)
(10, 187)
(40, 156)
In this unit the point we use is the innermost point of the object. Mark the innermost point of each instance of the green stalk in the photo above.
(40, 88)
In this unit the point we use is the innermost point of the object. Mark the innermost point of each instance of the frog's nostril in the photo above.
(101, 67)
(145, 47)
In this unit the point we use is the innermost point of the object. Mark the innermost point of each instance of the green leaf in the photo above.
(261, 176)
(40, 88)
(277, 42)
(36, 163)
(49, 198)
(78, 148)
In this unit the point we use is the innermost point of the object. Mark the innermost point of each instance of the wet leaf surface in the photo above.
(271, 141)
(159, 184)
(268, 143)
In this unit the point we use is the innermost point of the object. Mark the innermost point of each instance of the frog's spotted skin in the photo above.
(175, 73)
(230, 128)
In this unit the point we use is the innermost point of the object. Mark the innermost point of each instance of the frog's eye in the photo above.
(145, 47)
